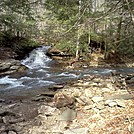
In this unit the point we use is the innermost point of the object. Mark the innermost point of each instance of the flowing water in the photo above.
(44, 72)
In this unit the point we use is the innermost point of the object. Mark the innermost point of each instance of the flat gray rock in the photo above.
(77, 131)
(119, 96)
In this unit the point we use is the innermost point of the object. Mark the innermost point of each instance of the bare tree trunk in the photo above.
(77, 46)
(78, 36)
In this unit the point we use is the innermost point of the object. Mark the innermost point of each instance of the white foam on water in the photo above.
(26, 78)
(102, 71)
(107, 71)
(42, 70)
(66, 74)
(37, 58)
(11, 82)
(45, 82)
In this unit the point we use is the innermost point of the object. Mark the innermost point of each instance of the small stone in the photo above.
(56, 87)
(110, 86)
(47, 93)
(62, 100)
(12, 132)
(100, 106)
(6, 119)
(77, 93)
(94, 84)
(80, 101)
(4, 133)
(106, 90)
(121, 103)
(132, 128)
(110, 103)
(97, 99)
(14, 67)
(1, 120)
(46, 110)
(67, 115)
(89, 107)
(88, 93)
(77, 131)
(40, 98)
(86, 83)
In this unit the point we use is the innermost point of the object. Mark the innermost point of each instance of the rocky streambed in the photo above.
(92, 105)
(10, 66)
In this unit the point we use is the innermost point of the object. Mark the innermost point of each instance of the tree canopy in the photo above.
(103, 21)
(73, 26)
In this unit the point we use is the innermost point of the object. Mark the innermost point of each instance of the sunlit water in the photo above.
(44, 72)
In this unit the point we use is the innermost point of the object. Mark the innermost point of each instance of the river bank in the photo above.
(96, 59)
(88, 106)
(87, 101)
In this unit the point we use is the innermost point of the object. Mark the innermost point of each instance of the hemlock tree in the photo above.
(17, 17)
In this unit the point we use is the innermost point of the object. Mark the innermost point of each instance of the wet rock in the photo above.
(77, 93)
(11, 119)
(1, 120)
(2, 100)
(77, 131)
(47, 93)
(62, 100)
(5, 119)
(21, 69)
(130, 80)
(67, 115)
(10, 66)
(114, 73)
(3, 132)
(56, 87)
(39, 98)
(47, 97)
(54, 52)
(12, 132)
(2, 128)
(7, 113)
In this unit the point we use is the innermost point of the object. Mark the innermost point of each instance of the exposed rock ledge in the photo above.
(10, 66)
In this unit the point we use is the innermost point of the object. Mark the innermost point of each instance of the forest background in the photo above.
(77, 28)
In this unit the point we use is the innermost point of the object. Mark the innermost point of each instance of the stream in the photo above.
(44, 72)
